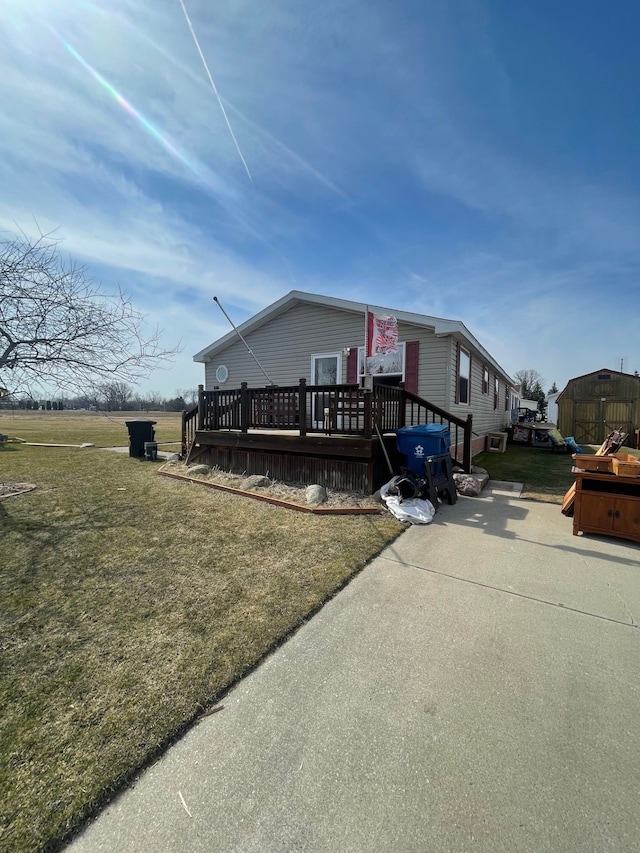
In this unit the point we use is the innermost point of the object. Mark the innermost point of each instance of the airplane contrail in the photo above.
(213, 86)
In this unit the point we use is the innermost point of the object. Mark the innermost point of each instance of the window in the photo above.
(326, 368)
(464, 377)
(496, 391)
(485, 379)
(392, 367)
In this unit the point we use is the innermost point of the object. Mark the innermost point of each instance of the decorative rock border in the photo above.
(314, 510)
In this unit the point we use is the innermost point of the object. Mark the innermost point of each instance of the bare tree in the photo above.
(115, 395)
(59, 329)
(189, 395)
(528, 380)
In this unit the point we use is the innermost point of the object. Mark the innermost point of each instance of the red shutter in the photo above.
(352, 366)
(411, 352)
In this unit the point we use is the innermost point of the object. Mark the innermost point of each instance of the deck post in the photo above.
(302, 406)
(214, 411)
(200, 407)
(368, 420)
(244, 407)
(402, 407)
(466, 452)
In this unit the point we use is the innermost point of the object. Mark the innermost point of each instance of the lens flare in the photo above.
(153, 131)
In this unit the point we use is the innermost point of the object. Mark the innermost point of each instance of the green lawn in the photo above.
(545, 474)
(129, 603)
(104, 429)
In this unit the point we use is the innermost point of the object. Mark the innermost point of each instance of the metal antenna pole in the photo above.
(235, 329)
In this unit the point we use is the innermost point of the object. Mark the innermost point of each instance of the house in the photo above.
(322, 339)
(552, 407)
(593, 405)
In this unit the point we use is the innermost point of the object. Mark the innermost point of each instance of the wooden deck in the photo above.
(332, 435)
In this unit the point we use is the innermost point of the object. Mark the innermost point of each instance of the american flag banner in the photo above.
(382, 334)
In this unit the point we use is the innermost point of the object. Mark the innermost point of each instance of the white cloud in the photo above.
(376, 173)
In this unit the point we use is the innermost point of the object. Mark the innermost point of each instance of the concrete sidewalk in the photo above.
(475, 688)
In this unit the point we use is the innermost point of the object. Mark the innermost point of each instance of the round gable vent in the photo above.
(222, 374)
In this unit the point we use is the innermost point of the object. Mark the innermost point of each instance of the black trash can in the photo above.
(140, 432)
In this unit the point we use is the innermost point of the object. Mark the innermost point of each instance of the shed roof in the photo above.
(440, 326)
(595, 373)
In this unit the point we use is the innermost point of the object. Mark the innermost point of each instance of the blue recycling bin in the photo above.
(415, 443)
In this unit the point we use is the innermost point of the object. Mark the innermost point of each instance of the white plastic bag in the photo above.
(412, 510)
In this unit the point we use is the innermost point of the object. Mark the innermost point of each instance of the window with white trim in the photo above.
(391, 368)
(464, 377)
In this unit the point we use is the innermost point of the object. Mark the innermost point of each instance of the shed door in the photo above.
(587, 424)
(617, 414)
(595, 419)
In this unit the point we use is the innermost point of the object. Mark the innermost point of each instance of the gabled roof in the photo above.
(295, 297)
(595, 373)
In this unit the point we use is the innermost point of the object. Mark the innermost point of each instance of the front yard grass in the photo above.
(128, 604)
(546, 475)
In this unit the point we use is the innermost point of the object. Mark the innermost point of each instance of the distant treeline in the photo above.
(112, 397)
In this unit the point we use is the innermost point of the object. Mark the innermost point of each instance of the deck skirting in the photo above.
(341, 463)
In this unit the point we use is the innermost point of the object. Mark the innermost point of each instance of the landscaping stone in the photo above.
(470, 484)
(199, 469)
(173, 457)
(316, 494)
(255, 481)
(475, 469)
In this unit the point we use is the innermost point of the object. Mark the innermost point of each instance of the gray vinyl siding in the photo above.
(285, 344)
(433, 365)
(485, 418)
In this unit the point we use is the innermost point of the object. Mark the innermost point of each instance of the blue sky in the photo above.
(471, 159)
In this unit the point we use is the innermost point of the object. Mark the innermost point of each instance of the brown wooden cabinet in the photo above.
(607, 504)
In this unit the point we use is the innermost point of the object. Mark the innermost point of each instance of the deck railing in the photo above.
(189, 420)
(419, 411)
(327, 409)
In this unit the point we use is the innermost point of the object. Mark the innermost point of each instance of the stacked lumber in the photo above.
(610, 445)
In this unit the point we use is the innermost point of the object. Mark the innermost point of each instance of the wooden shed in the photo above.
(593, 405)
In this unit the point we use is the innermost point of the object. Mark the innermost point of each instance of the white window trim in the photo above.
(337, 355)
(466, 352)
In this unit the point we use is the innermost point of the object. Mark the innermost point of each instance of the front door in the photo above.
(326, 369)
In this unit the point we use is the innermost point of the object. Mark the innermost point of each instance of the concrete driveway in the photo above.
(475, 688)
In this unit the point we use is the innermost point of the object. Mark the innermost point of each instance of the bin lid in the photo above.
(140, 421)
(423, 429)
